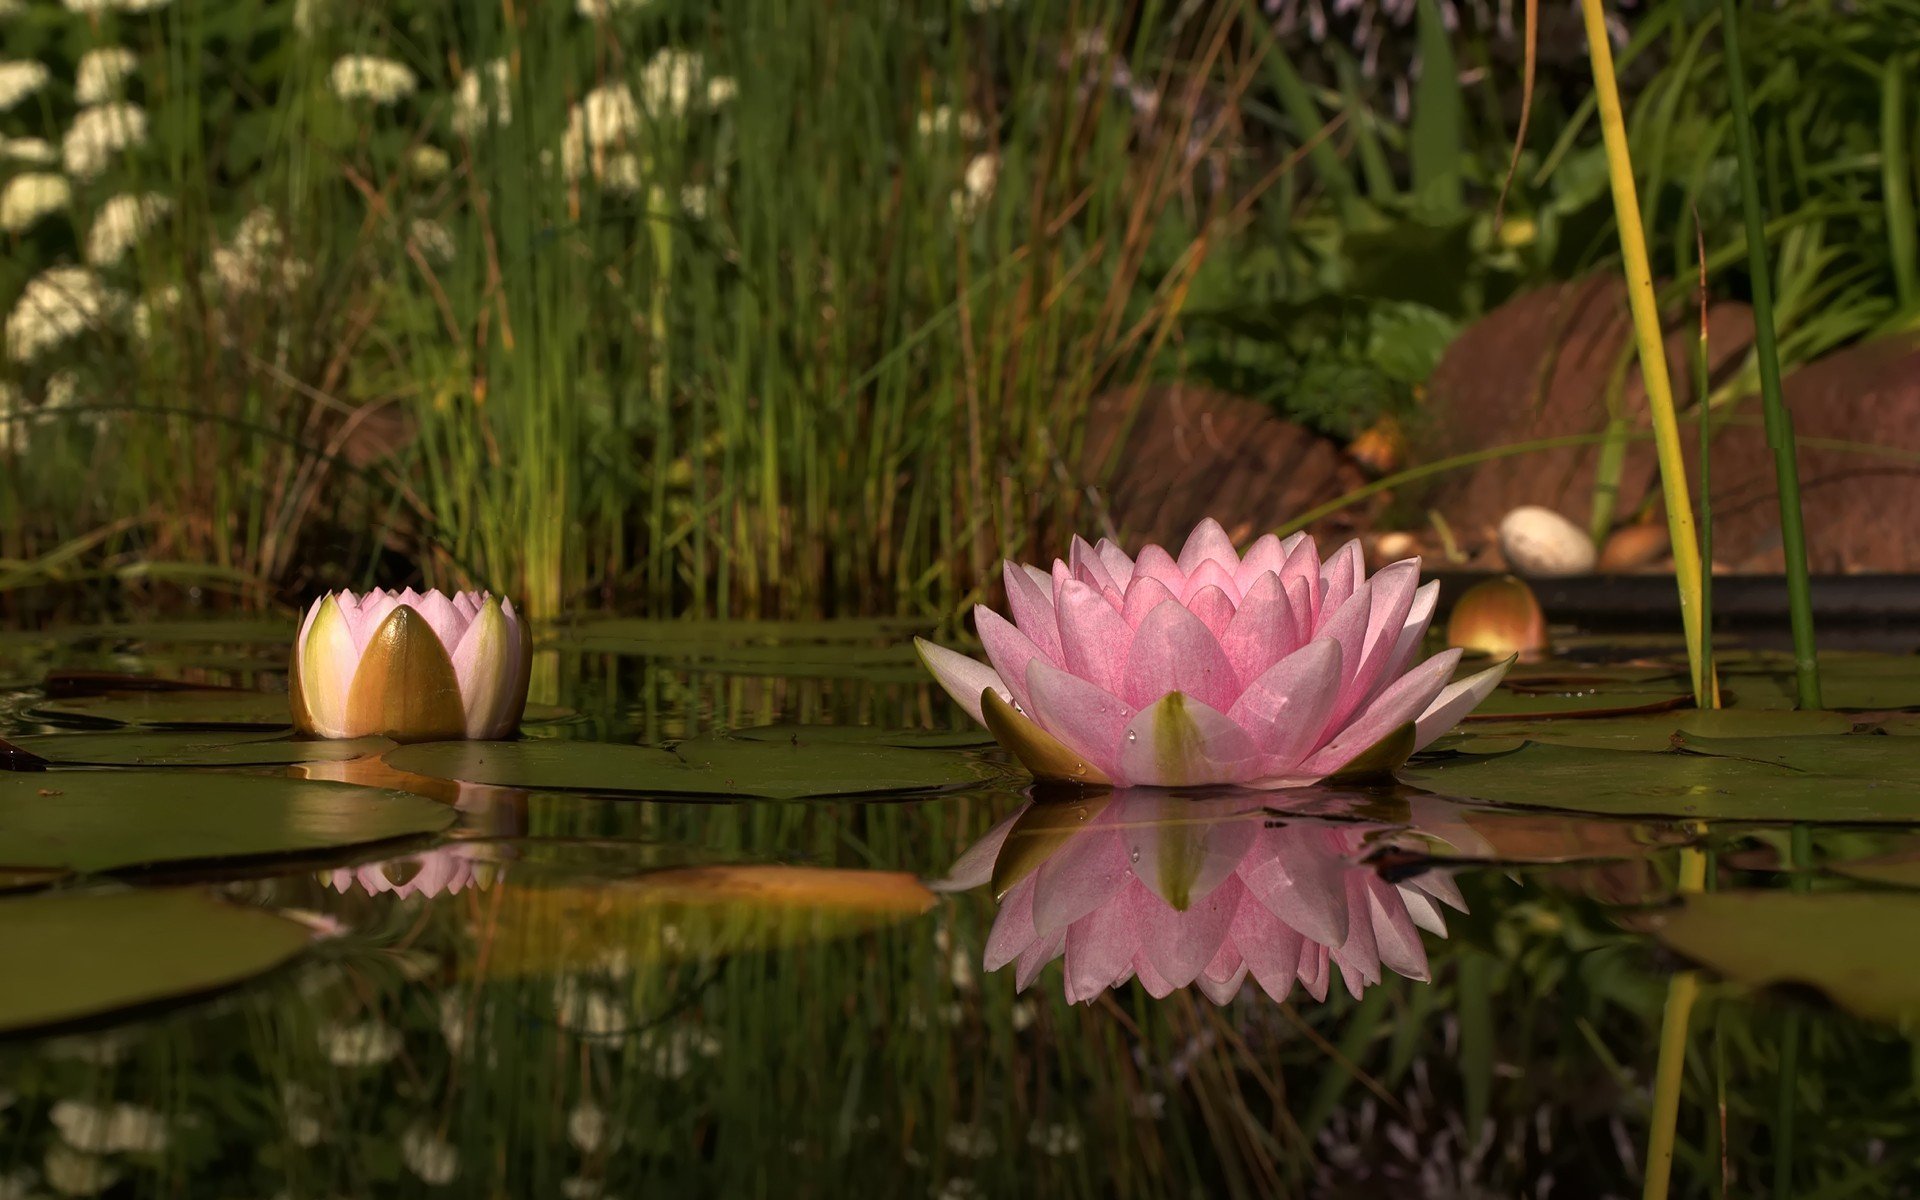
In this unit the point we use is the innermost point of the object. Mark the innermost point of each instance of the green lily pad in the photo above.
(79, 956)
(1646, 731)
(212, 748)
(1847, 680)
(643, 635)
(912, 739)
(234, 632)
(1585, 703)
(705, 767)
(1671, 784)
(85, 821)
(208, 708)
(1861, 949)
(1860, 756)
(1896, 868)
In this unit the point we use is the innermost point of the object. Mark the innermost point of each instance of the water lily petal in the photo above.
(1412, 632)
(326, 658)
(1088, 567)
(1143, 596)
(1008, 649)
(1422, 911)
(1208, 543)
(1034, 959)
(1269, 948)
(962, 677)
(1089, 719)
(1390, 600)
(1394, 933)
(485, 666)
(1260, 628)
(1212, 575)
(1100, 948)
(1094, 638)
(443, 618)
(1299, 879)
(1265, 557)
(404, 686)
(974, 868)
(1315, 969)
(1286, 707)
(1156, 563)
(1012, 930)
(1181, 944)
(1088, 872)
(1119, 564)
(1404, 699)
(1455, 701)
(1173, 650)
(1046, 757)
(1341, 576)
(1303, 567)
(1214, 609)
(1221, 986)
(1178, 741)
(1031, 600)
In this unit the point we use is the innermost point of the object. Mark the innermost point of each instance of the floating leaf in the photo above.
(1896, 868)
(1577, 702)
(930, 739)
(1442, 831)
(1647, 731)
(1672, 784)
(1861, 949)
(212, 708)
(1862, 756)
(211, 748)
(234, 632)
(108, 820)
(78, 956)
(1760, 723)
(704, 767)
(1847, 680)
(699, 912)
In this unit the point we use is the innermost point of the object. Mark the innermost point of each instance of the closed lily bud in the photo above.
(416, 668)
(1500, 616)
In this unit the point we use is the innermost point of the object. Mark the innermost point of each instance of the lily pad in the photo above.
(1861, 756)
(139, 748)
(1847, 680)
(78, 956)
(234, 632)
(84, 821)
(1861, 949)
(199, 709)
(1896, 868)
(1579, 702)
(871, 735)
(704, 767)
(1648, 731)
(1672, 784)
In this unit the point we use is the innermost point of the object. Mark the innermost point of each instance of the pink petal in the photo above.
(1178, 741)
(1314, 973)
(1302, 883)
(1404, 700)
(1087, 872)
(962, 677)
(1117, 563)
(1208, 543)
(1269, 947)
(1211, 575)
(1012, 929)
(1094, 638)
(1394, 934)
(1390, 599)
(1087, 718)
(1412, 632)
(1155, 563)
(1100, 948)
(1214, 609)
(1173, 650)
(1342, 576)
(1261, 628)
(1150, 977)
(1223, 986)
(1031, 603)
(1177, 852)
(1181, 944)
(1421, 910)
(1303, 566)
(1088, 567)
(1009, 650)
(1034, 958)
(1143, 596)
(1265, 556)
(1358, 957)
(974, 868)
(1455, 701)
(1287, 708)
(366, 619)
(1348, 627)
(443, 618)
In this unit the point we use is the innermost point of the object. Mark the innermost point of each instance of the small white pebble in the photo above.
(1539, 542)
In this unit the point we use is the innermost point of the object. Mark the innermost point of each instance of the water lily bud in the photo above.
(1501, 617)
(413, 667)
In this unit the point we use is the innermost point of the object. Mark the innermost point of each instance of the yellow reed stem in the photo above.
(1649, 341)
(1682, 990)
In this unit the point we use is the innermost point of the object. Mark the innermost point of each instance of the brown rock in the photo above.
(1541, 366)
(1857, 422)
(1162, 458)
(1633, 547)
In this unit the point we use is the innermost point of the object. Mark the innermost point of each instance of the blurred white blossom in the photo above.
(72, 1173)
(29, 150)
(429, 1156)
(667, 81)
(254, 259)
(589, 1011)
(671, 1052)
(120, 224)
(721, 89)
(590, 1129)
(99, 133)
(110, 1129)
(18, 80)
(101, 72)
(693, 198)
(482, 93)
(598, 9)
(596, 128)
(938, 121)
(28, 197)
(575, 1187)
(129, 6)
(54, 306)
(983, 171)
(436, 245)
(13, 424)
(302, 1105)
(370, 77)
(428, 162)
(159, 302)
(368, 1044)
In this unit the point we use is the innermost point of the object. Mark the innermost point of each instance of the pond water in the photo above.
(832, 942)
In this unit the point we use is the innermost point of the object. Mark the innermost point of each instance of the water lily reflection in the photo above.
(1173, 891)
(448, 869)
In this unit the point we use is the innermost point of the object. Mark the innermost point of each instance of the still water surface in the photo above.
(968, 991)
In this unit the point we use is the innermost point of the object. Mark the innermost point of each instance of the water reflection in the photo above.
(1208, 892)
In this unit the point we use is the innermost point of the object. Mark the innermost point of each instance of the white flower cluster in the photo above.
(38, 151)
(19, 80)
(482, 95)
(370, 1044)
(101, 72)
(668, 80)
(601, 9)
(598, 129)
(370, 77)
(429, 1156)
(945, 119)
(13, 420)
(432, 239)
(110, 1129)
(98, 134)
(120, 224)
(126, 6)
(57, 304)
(976, 186)
(30, 196)
(255, 259)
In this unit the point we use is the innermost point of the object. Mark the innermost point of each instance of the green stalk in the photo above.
(1800, 859)
(1682, 990)
(1708, 683)
(1793, 537)
(1648, 336)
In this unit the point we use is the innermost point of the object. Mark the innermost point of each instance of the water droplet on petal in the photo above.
(1132, 736)
(1135, 855)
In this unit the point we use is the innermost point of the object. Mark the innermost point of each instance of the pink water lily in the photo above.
(1174, 892)
(445, 870)
(411, 666)
(1270, 670)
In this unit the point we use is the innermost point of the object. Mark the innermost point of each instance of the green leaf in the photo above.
(212, 748)
(704, 767)
(83, 821)
(75, 956)
(210, 708)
